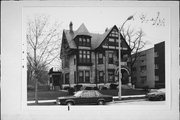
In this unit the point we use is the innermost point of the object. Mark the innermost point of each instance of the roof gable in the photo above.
(82, 30)
(96, 39)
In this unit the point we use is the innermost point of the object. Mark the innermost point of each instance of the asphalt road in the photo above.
(123, 102)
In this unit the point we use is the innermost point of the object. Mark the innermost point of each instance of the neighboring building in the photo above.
(159, 52)
(149, 69)
(92, 57)
(143, 69)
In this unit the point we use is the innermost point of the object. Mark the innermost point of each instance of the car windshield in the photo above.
(78, 94)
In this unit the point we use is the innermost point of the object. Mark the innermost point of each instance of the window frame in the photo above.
(110, 60)
(81, 78)
(87, 78)
(100, 59)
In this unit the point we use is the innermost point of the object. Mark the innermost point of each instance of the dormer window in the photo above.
(84, 41)
(80, 41)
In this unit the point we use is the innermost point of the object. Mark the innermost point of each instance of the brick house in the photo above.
(91, 58)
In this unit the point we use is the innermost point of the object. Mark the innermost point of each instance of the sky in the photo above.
(97, 19)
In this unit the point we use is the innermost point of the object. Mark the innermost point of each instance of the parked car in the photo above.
(85, 97)
(158, 95)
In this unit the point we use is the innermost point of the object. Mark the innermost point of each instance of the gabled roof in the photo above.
(96, 39)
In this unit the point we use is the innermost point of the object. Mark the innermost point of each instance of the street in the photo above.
(123, 102)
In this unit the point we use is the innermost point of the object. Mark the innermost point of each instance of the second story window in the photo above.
(84, 56)
(100, 58)
(110, 61)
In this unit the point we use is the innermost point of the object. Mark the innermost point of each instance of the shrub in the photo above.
(66, 88)
(104, 88)
(88, 88)
(95, 88)
(113, 86)
(146, 88)
(71, 91)
(30, 88)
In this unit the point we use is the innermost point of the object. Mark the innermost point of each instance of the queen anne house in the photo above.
(92, 58)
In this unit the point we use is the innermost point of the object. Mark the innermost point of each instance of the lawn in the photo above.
(50, 95)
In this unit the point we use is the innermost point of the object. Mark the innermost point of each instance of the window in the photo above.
(143, 79)
(156, 78)
(87, 76)
(88, 41)
(88, 94)
(80, 41)
(74, 61)
(75, 77)
(84, 56)
(156, 54)
(101, 76)
(110, 61)
(80, 56)
(111, 75)
(81, 76)
(67, 78)
(143, 68)
(100, 58)
(66, 62)
(84, 41)
(156, 66)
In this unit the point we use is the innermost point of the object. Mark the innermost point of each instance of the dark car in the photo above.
(85, 97)
(156, 95)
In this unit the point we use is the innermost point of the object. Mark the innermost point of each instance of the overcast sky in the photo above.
(97, 19)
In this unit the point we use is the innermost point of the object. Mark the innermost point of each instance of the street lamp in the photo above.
(119, 38)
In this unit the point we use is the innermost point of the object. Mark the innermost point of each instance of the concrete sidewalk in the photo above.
(115, 98)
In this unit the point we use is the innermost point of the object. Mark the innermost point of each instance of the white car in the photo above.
(158, 95)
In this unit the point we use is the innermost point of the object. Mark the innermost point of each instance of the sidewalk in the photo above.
(116, 98)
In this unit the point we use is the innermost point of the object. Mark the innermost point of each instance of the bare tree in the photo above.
(42, 46)
(135, 42)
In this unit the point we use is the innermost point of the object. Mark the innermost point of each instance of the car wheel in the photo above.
(69, 103)
(161, 98)
(100, 102)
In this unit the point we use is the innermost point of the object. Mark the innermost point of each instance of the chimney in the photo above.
(106, 29)
(71, 27)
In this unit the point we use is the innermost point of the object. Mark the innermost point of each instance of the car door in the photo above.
(88, 97)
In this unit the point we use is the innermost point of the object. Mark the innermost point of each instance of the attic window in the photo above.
(84, 41)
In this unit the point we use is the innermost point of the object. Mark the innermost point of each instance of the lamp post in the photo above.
(119, 38)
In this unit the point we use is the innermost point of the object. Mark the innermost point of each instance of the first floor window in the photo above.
(101, 76)
(87, 76)
(111, 75)
(81, 76)
(84, 56)
(67, 78)
(143, 79)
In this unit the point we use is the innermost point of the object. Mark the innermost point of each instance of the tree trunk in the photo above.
(36, 89)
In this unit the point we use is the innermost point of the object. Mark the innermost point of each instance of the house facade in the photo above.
(92, 58)
(149, 68)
